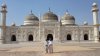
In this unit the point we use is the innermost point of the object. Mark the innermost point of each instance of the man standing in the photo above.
(50, 46)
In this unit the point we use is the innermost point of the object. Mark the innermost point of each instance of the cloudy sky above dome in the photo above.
(80, 9)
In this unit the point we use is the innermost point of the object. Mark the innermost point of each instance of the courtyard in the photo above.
(38, 49)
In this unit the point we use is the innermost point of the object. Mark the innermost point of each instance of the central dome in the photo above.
(31, 17)
(67, 16)
(50, 16)
(68, 19)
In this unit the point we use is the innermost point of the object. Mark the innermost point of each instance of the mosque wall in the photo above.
(76, 33)
(22, 34)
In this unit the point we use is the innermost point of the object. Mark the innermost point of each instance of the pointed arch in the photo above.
(13, 38)
(69, 37)
(86, 37)
(50, 37)
(30, 37)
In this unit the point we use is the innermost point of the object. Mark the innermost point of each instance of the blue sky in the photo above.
(80, 9)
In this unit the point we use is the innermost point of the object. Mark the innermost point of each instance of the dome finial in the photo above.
(49, 10)
(31, 12)
(67, 12)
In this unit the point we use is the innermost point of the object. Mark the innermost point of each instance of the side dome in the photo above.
(68, 19)
(50, 16)
(31, 19)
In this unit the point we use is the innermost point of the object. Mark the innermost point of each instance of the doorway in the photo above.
(85, 36)
(13, 38)
(69, 37)
(49, 37)
(30, 38)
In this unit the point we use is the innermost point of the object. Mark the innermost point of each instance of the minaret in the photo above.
(3, 17)
(95, 21)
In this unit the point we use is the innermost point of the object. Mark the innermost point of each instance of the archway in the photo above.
(85, 36)
(69, 37)
(49, 37)
(13, 38)
(30, 38)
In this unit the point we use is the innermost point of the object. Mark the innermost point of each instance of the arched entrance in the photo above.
(49, 37)
(85, 36)
(13, 38)
(69, 37)
(30, 38)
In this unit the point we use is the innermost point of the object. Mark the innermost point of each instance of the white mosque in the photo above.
(49, 27)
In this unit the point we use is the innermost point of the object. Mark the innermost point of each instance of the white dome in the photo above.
(94, 4)
(85, 23)
(13, 24)
(95, 7)
(68, 19)
(50, 16)
(31, 19)
(4, 5)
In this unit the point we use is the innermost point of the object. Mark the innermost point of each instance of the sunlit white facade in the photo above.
(34, 30)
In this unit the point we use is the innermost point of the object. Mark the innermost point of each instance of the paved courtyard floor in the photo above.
(39, 50)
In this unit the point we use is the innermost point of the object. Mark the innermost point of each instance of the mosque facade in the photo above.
(49, 27)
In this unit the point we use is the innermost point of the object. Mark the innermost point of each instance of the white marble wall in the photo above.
(40, 32)
(77, 33)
